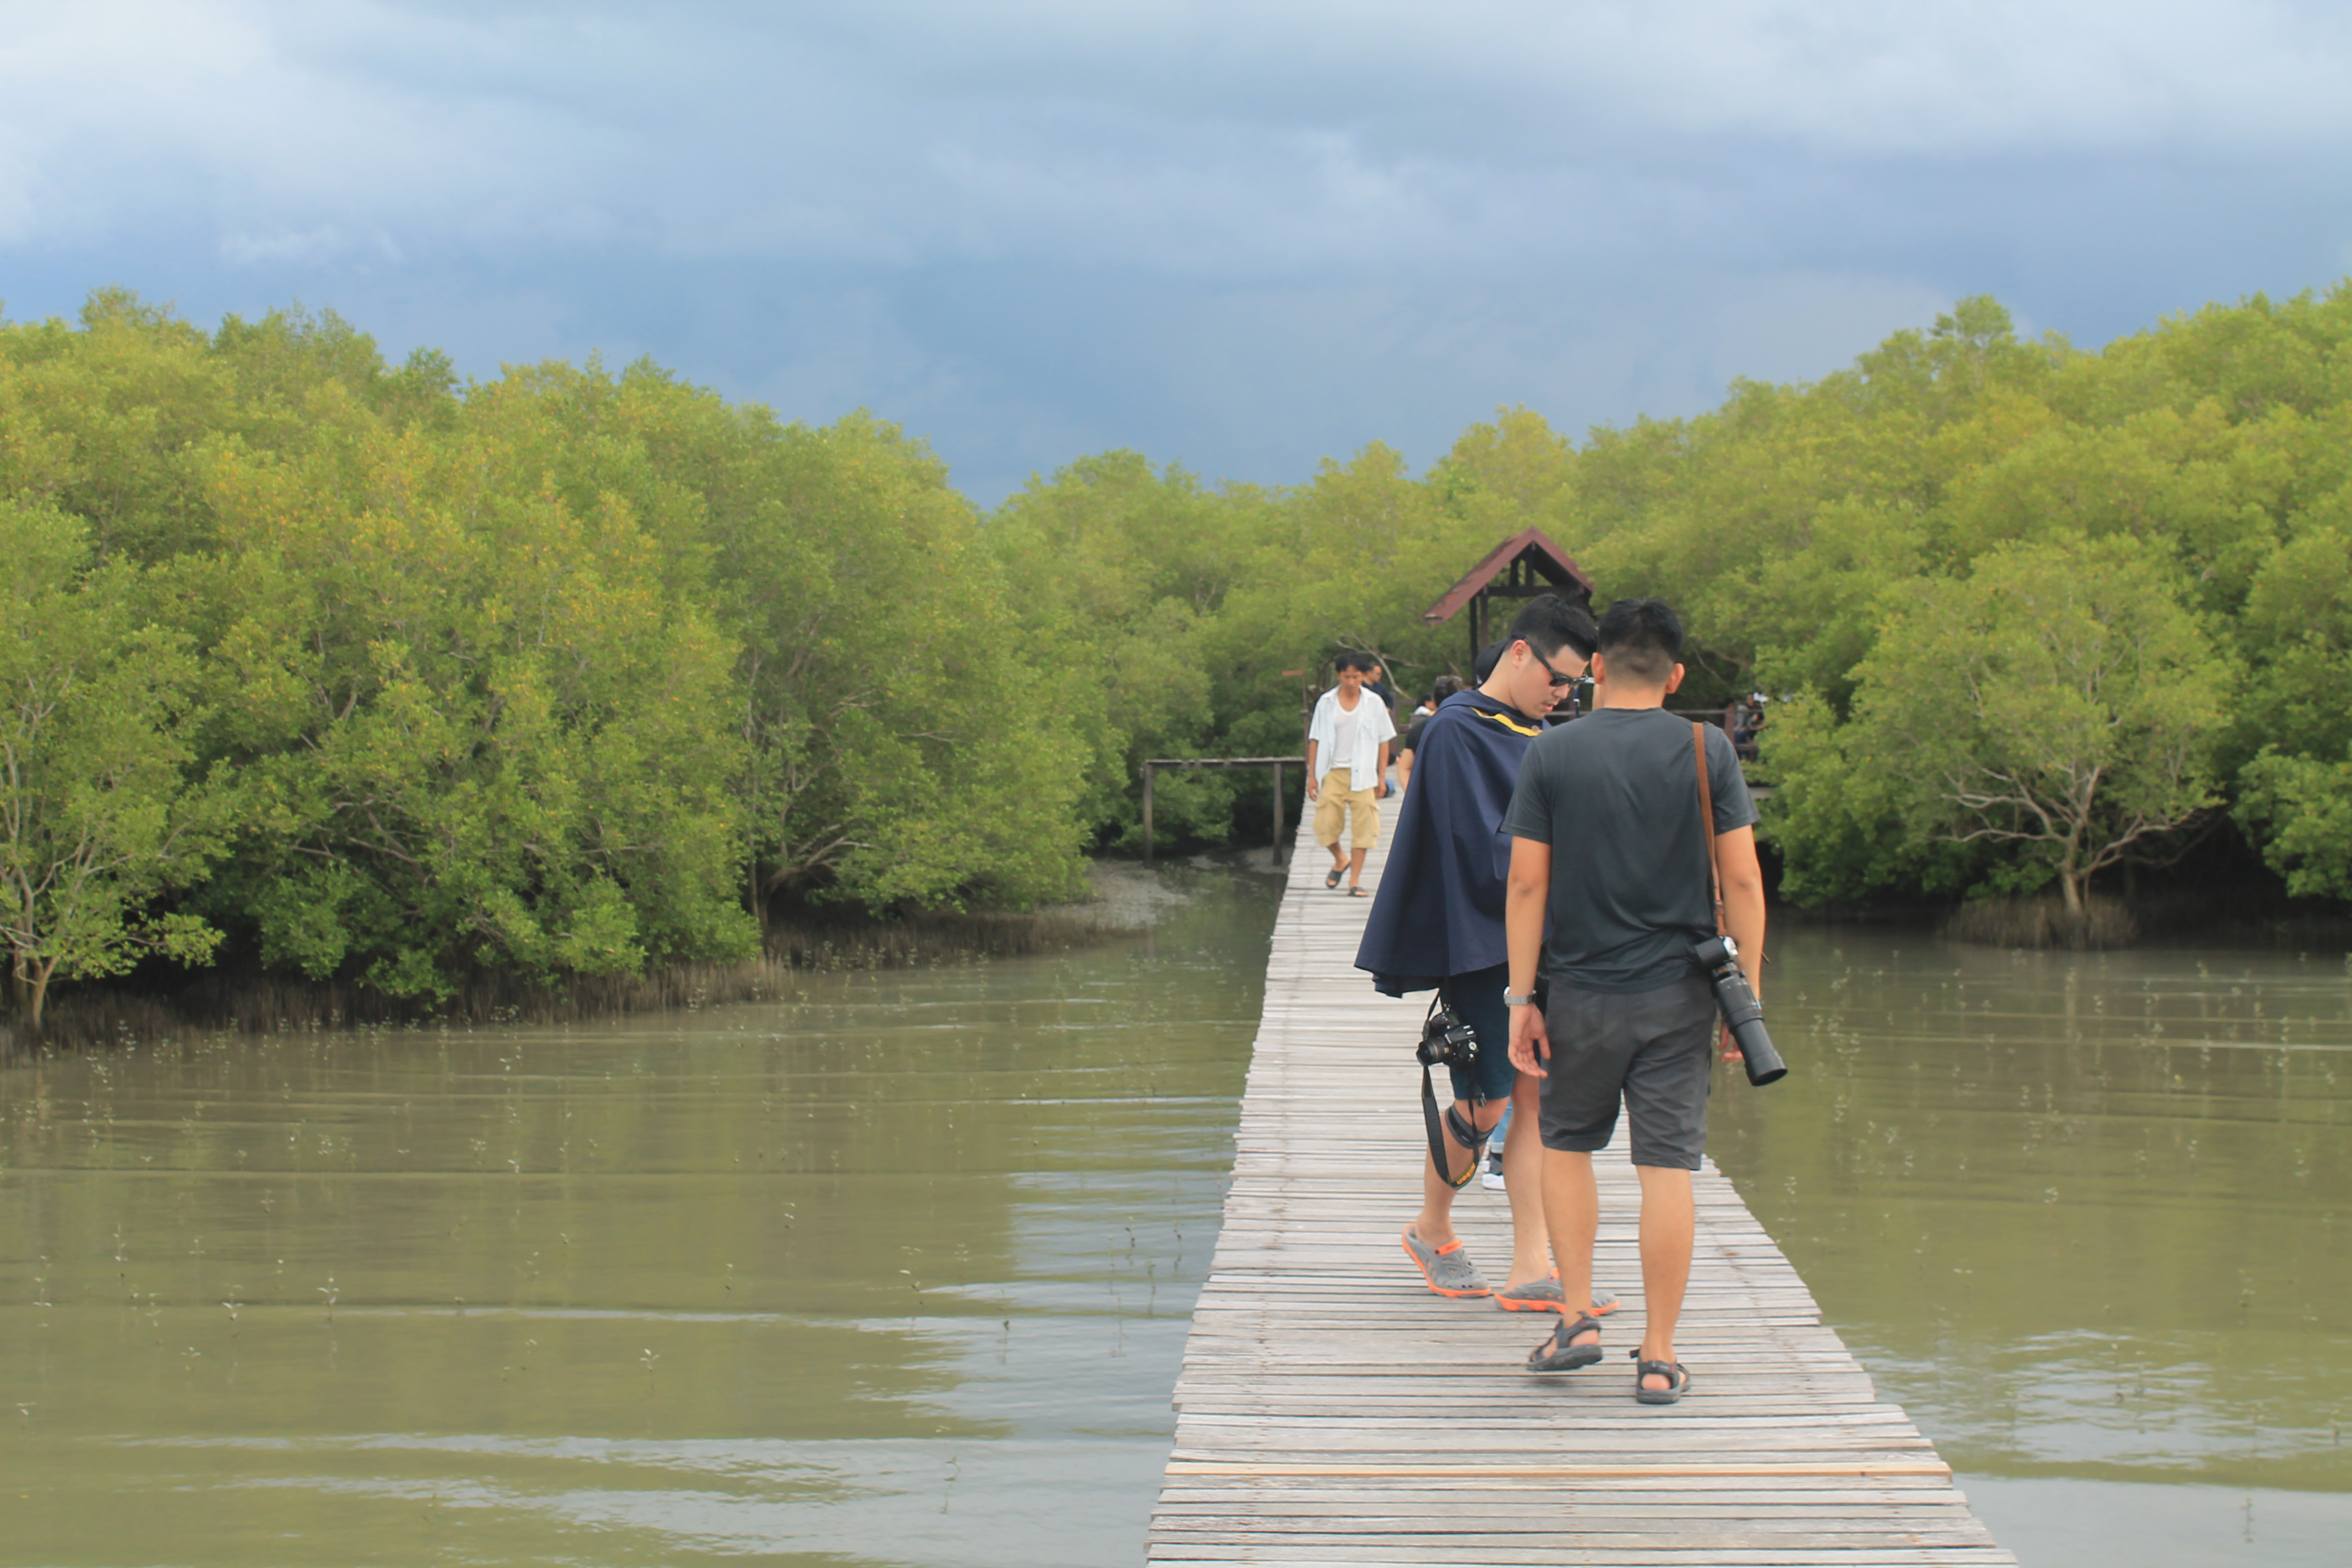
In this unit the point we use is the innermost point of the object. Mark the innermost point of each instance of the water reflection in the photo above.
(2084, 1216)
(889, 1274)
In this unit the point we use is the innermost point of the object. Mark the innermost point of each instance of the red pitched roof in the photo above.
(1548, 560)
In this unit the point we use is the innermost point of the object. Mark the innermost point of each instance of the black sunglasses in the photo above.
(1557, 678)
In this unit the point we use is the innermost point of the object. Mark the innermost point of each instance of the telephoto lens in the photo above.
(1742, 1014)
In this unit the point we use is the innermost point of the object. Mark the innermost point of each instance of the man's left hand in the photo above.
(1530, 1045)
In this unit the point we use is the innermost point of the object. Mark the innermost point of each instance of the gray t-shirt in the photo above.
(1615, 794)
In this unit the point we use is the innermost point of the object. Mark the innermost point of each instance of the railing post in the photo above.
(1146, 813)
(1277, 814)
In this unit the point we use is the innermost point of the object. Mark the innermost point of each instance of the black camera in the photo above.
(1742, 1014)
(1446, 1041)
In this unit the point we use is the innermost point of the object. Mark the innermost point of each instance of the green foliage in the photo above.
(2057, 701)
(1819, 537)
(904, 745)
(473, 730)
(370, 674)
(2302, 807)
(100, 811)
(558, 675)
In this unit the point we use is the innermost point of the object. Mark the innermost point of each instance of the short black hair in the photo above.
(1444, 687)
(1351, 659)
(1548, 623)
(1642, 637)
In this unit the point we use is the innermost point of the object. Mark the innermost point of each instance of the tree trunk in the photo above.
(36, 999)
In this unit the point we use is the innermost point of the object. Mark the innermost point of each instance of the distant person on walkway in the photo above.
(1376, 681)
(1438, 923)
(1446, 686)
(1347, 769)
(1607, 839)
(1751, 725)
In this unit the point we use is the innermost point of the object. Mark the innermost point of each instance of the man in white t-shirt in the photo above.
(1347, 769)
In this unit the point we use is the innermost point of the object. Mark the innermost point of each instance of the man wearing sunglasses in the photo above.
(1438, 923)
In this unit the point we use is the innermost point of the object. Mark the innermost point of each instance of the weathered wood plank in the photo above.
(1330, 1409)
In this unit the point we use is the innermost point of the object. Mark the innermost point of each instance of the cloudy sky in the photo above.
(1246, 236)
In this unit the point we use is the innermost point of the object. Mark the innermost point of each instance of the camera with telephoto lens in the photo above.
(1447, 1042)
(1742, 1014)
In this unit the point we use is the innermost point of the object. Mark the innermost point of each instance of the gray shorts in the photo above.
(1653, 1048)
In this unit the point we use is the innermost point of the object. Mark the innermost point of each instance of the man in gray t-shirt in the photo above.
(1609, 838)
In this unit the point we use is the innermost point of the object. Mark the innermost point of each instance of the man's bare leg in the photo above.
(1356, 872)
(1669, 1228)
(1523, 1167)
(1571, 1202)
(1434, 1225)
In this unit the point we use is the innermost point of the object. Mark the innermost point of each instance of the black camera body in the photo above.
(1446, 1041)
(1743, 1015)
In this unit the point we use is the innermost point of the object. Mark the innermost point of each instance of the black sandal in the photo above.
(1332, 881)
(1556, 1354)
(1676, 1374)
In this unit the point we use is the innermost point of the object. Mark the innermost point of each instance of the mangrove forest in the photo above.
(337, 670)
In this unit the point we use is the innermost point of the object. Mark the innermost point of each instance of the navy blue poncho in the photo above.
(1440, 907)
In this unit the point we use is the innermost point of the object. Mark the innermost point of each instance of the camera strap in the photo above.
(1466, 1132)
(1707, 826)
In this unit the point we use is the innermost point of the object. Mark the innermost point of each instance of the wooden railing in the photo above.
(1276, 763)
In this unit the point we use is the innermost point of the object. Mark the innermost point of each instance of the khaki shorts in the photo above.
(1358, 807)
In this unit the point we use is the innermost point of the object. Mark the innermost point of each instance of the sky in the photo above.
(1243, 237)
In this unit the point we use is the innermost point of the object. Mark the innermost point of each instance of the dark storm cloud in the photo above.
(1244, 235)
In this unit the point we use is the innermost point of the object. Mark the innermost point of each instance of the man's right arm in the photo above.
(1525, 897)
(1311, 770)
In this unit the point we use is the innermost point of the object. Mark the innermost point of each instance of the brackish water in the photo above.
(897, 1271)
(2088, 1218)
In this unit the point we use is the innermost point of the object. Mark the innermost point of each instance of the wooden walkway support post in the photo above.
(1331, 1409)
(1276, 763)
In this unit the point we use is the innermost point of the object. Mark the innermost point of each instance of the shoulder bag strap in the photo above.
(1724, 1047)
(1707, 826)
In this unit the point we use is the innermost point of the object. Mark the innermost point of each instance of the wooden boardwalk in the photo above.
(1331, 1409)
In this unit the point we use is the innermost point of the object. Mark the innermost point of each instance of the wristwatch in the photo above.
(1512, 999)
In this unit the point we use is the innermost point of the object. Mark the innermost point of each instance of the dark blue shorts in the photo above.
(1477, 999)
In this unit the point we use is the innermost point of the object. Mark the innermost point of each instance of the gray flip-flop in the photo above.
(1449, 1272)
(1546, 1296)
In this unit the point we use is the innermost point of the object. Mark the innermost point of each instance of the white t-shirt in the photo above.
(1343, 734)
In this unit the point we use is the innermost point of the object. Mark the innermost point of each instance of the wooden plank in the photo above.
(1331, 1409)
(1556, 1472)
